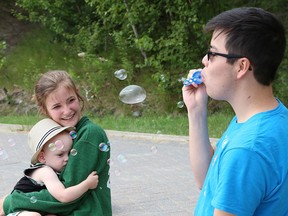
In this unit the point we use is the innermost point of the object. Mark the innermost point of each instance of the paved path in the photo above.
(150, 173)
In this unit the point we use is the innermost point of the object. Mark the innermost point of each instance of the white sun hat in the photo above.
(42, 132)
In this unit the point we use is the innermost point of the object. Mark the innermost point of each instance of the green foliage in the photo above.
(162, 38)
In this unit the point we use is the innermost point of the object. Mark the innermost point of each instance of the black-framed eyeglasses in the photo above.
(228, 56)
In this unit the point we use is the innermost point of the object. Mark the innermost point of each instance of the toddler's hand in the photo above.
(92, 180)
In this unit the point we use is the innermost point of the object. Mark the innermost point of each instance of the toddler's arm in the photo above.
(57, 189)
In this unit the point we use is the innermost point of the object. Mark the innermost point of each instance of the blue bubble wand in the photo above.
(196, 78)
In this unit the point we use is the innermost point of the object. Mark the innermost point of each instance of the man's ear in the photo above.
(41, 157)
(244, 66)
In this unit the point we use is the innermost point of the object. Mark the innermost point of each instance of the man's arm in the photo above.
(200, 149)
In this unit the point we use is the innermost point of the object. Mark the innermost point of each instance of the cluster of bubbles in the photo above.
(59, 145)
(121, 158)
(131, 94)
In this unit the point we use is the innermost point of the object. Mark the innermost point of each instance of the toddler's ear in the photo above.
(41, 157)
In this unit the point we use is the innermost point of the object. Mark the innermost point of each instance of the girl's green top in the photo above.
(86, 158)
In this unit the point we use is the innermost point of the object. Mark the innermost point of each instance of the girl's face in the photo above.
(56, 156)
(63, 106)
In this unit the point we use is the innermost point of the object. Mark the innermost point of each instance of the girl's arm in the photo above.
(55, 187)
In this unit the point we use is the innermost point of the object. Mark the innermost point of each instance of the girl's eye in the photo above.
(56, 107)
(71, 100)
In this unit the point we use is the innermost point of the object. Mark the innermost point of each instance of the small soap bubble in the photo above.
(103, 147)
(81, 54)
(120, 74)
(182, 79)
(154, 149)
(52, 147)
(59, 144)
(180, 104)
(109, 143)
(3, 154)
(132, 94)
(162, 78)
(73, 134)
(73, 152)
(11, 142)
(136, 113)
(117, 172)
(121, 158)
(33, 199)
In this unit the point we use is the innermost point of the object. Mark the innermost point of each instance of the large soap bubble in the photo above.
(132, 94)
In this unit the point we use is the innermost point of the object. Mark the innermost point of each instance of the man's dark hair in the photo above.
(256, 34)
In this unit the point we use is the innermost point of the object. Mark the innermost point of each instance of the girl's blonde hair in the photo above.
(50, 81)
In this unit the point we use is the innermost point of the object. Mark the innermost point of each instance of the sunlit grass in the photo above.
(166, 124)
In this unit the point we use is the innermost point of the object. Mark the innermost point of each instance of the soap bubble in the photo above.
(103, 147)
(136, 113)
(11, 142)
(154, 149)
(121, 158)
(117, 172)
(81, 54)
(33, 199)
(73, 152)
(73, 134)
(52, 147)
(132, 94)
(180, 104)
(120, 74)
(3, 154)
(59, 144)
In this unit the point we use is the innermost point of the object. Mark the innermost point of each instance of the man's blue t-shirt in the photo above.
(248, 174)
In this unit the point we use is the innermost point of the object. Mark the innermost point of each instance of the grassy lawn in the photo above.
(166, 124)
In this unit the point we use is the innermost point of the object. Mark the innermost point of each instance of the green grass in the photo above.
(166, 124)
